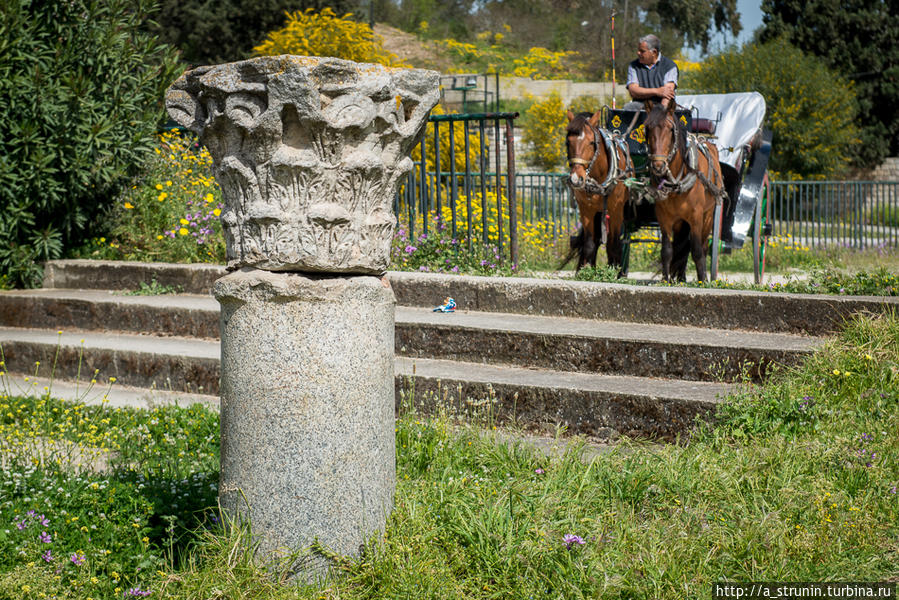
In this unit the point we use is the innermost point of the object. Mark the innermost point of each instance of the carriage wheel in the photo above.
(759, 237)
(716, 242)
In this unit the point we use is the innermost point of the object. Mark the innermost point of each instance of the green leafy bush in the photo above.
(81, 90)
(811, 109)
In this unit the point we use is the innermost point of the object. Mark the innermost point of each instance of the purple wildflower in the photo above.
(455, 269)
(539, 471)
(138, 593)
(47, 556)
(45, 537)
(20, 525)
(78, 559)
(571, 539)
(43, 520)
(410, 249)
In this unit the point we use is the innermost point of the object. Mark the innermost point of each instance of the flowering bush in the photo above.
(171, 213)
(308, 33)
(491, 53)
(441, 251)
(458, 154)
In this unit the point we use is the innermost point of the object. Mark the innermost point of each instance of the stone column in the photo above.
(309, 153)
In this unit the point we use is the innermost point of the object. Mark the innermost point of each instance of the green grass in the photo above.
(795, 480)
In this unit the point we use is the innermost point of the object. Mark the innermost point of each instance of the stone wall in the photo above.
(522, 87)
(887, 171)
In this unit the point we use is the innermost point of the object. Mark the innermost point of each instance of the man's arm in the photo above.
(641, 93)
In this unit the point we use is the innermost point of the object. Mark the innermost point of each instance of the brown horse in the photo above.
(596, 162)
(686, 190)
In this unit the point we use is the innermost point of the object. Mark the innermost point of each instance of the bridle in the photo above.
(612, 176)
(669, 184)
(666, 158)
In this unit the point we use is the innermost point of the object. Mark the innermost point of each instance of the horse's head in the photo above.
(582, 144)
(661, 137)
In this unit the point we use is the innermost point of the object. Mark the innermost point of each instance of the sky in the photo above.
(751, 19)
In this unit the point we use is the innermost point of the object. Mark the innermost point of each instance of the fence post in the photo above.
(513, 212)
(437, 170)
(453, 190)
(499, 190)
(482, 164)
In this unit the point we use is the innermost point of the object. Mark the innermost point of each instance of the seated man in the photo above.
(652, 76)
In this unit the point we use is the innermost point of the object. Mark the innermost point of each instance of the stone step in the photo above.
(535, 399)
(809, 314)
(558, 343)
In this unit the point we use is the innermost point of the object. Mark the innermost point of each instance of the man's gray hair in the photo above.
(652, 42)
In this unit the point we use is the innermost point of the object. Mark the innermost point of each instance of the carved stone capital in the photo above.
(309, 153)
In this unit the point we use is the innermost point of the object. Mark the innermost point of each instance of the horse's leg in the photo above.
(698, 246)
(615, 208)
(667, 252)
(681, 252)
(588, 249)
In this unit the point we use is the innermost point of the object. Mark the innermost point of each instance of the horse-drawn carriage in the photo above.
(696, 173)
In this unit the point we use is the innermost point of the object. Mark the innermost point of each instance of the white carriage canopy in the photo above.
(742, 114)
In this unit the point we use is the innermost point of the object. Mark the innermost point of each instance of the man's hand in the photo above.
(666, 91)
(641, 93)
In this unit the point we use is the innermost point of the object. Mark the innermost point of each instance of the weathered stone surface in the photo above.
(309, 152)
(307, 401)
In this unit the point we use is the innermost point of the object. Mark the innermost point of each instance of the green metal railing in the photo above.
(424, 192)
(854, 214)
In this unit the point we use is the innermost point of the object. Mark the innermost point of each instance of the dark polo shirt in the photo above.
(657, 75)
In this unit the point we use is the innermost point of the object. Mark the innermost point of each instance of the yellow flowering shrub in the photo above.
(440, 251)
(474, 146)
(172, 212)
(543, 129)
(490, 53)
(311, 33)
(540, 63)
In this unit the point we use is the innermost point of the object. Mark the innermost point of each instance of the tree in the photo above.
(857, 38)
(80, 103)
(811, 109)
(584, 27)
(225, 31)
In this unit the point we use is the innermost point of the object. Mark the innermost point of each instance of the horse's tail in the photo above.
(576, 246)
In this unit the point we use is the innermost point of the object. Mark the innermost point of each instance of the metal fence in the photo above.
(541, 198)
(427, 193)
(854, 214)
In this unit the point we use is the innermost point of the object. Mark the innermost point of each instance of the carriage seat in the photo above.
(706, 126)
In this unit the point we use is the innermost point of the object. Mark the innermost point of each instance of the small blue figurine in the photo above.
(448, 306)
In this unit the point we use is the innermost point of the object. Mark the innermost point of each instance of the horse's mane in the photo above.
(656, 116)
(576, 125)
